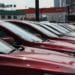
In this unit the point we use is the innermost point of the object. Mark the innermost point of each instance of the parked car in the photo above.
(68, 25)
(58, 27)
(71, 32)
(51, 30)
(34, 61)
(26, 38)
(65, 36)
(45, 30)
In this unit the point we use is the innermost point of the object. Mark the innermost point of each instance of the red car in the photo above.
(28, 39)
(34, 61)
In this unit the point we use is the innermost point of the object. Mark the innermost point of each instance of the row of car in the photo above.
(38, 35)
(31, 48)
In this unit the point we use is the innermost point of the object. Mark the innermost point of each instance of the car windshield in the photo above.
(50, 29)
(30, 29)
(43, 28)
(20, 32)
(55, 32)
(71, 26)
(66, 26)
(24, 25)
(34, 29)
(57, 27)
(5, 48)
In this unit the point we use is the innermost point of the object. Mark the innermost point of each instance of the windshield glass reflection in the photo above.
(21, 32)
(5, 48)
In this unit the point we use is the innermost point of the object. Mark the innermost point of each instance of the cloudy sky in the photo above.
(28, 3)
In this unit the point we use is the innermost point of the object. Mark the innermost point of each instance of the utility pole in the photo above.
(37, 10)
(68, 12)
(68, 2)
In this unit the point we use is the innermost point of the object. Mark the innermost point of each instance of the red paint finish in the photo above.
(36, 62)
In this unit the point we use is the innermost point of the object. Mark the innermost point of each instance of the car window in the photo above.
(47, 31)
(62, 27)
(55, 29)
(43, 29)
(50, 29)
(72, 26)
(46, 28)
(56, 32)
(66, 26)
(59, 28)
(30, 29)
(37, 27)
(26, 27)
(5, 48)
(20, 32)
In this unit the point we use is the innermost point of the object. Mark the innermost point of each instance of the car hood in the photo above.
(31, 58)
(59, 45)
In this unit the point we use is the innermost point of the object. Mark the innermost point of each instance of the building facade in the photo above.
(69, 5)
(56, 3)
(59, 13)
(59, 3)
(10, 15)
(51, 14)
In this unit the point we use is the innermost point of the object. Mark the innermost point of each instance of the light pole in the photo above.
(68, 12)
(37, 10)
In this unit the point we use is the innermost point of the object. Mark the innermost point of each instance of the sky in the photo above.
(21, 4)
